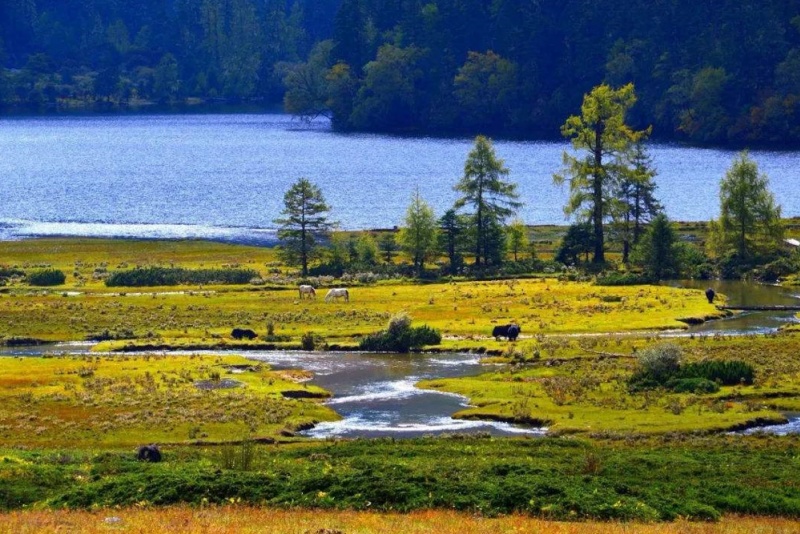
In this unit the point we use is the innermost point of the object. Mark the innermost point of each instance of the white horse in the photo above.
(307, 290)
(336, 293)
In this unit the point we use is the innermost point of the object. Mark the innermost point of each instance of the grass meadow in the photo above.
(636, 461)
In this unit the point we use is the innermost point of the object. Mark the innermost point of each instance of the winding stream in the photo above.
(746, 294)
(376, 395)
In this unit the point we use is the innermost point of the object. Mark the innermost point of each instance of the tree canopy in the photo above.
(707, 71)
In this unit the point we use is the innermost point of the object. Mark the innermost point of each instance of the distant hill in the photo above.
(705, 71)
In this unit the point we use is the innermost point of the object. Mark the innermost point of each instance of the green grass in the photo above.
(584, 389)
(552, 477)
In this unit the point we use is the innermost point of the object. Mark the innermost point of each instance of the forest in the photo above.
(706, 72)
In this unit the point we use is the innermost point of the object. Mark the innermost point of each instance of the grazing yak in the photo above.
(510, 331)
(243, 333)
(148, 453)
(710, 294)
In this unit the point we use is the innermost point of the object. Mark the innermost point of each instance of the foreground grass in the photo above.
(554, 478)
(123, 401)
(583, 391)
(246, 519)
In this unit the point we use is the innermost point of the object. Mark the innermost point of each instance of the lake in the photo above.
(223, 176)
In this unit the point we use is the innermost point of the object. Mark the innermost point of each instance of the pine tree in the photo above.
(492, 199)
(418, 237)
(305, 220)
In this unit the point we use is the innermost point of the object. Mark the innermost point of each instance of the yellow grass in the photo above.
(459, 310)
(122, 401)
(465, 312)
(85, 255)
(241, 519)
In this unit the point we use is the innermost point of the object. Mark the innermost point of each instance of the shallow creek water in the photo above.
(376, 395)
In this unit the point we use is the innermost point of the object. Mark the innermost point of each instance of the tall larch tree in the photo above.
(602, 139)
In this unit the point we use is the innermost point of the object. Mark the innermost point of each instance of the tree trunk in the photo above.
(479, 233)
(597, 195)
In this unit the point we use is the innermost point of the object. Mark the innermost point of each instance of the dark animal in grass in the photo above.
(243, 333)
(149, 453)
(510, 331)
(710, 294)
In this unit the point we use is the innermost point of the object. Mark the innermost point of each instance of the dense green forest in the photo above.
(706, 71)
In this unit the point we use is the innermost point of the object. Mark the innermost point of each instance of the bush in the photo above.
(657, 365)
(660, 362)
(727, 373)
(400, 336)
(778, 269)
(310, 341)
(9, 272)
(621, 279)
(698, 386)
(47, 277)
(173, 276)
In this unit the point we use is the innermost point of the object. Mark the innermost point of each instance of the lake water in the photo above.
(223, 176)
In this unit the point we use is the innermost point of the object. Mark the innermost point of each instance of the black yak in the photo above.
(510, 331)
(710, 294)
(149, 453)
(243, 333)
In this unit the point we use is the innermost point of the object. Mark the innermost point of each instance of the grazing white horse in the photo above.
(336, 293)
(307, 290)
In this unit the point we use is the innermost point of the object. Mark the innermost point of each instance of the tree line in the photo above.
(612, 198)
(707, 71)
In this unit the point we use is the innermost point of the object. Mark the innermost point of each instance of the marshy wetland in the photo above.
(547, 426)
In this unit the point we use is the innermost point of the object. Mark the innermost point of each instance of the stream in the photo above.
(746, 294)
(376, 395)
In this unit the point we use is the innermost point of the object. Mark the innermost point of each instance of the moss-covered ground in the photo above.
(123, 401)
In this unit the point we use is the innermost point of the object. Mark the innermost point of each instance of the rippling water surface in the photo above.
(376, 396)
(223, 176)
